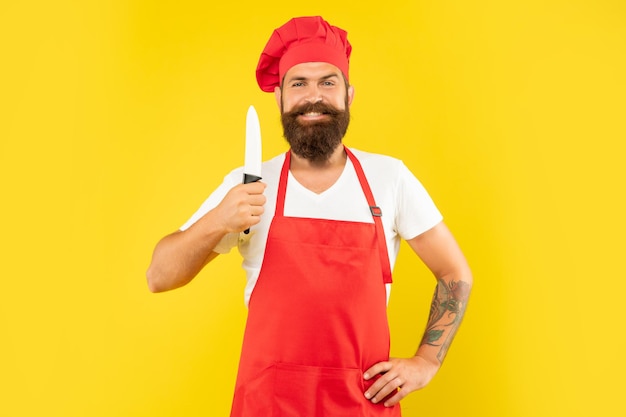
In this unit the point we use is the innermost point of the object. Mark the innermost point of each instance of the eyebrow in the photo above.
(324, 78)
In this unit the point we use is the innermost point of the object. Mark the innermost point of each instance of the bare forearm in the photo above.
(446, 313)
(180, 256)
(440, 252)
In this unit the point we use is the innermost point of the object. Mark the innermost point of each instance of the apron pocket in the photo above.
(310, 391)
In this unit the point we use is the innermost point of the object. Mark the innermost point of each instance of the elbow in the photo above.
(160, 280)
(154, 283)
(467, 281)
(461, 278)
(467, 278)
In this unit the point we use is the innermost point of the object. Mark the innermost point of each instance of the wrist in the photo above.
(428, 362)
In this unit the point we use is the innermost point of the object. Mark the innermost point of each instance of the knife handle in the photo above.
(248, 178)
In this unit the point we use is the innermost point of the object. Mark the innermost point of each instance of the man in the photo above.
(325, 226)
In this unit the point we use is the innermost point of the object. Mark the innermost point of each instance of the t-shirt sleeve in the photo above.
(417, 212)
(230, 240)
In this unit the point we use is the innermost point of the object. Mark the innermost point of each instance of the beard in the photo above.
(315, 140)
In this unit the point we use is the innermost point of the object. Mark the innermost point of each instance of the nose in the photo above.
(312, 100)
(314, 95)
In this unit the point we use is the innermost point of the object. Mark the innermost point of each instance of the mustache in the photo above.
(318, 107)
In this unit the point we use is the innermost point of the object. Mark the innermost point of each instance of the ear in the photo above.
(277, 96)
(350, 95)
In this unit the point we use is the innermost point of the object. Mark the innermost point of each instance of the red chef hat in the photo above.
(302, 39)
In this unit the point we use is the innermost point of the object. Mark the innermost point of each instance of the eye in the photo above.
(328, 83)
(297, 84)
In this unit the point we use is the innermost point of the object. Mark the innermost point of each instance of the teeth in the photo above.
(313, 114)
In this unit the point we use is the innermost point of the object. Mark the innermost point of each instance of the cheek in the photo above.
(340, 103)
(288, 103)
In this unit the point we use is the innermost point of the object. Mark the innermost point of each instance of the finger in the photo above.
(380, 388)
(396, 398)
(257, 210)
(253, 221)
(379, 368)
(256, 199)
(254, 187)
(390, 387)
(255, 214)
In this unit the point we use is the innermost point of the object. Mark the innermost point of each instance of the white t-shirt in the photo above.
(407, 208)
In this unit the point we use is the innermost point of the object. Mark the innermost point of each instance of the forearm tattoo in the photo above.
(446, 312)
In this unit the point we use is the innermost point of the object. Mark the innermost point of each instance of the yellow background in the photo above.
(118, 117)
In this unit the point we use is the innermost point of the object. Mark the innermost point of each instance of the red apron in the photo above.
(317, 317)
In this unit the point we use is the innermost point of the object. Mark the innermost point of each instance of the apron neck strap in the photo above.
(282, 185)
(376, 214)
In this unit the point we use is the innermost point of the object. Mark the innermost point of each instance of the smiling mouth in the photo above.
(313, 115)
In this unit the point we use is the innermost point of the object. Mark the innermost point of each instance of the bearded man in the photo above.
(325, 229)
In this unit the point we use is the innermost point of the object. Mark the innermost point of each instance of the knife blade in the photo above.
(253, 156)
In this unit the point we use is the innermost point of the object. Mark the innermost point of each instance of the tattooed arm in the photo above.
(400, 376)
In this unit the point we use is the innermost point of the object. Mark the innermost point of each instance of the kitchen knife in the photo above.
(253, 158)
